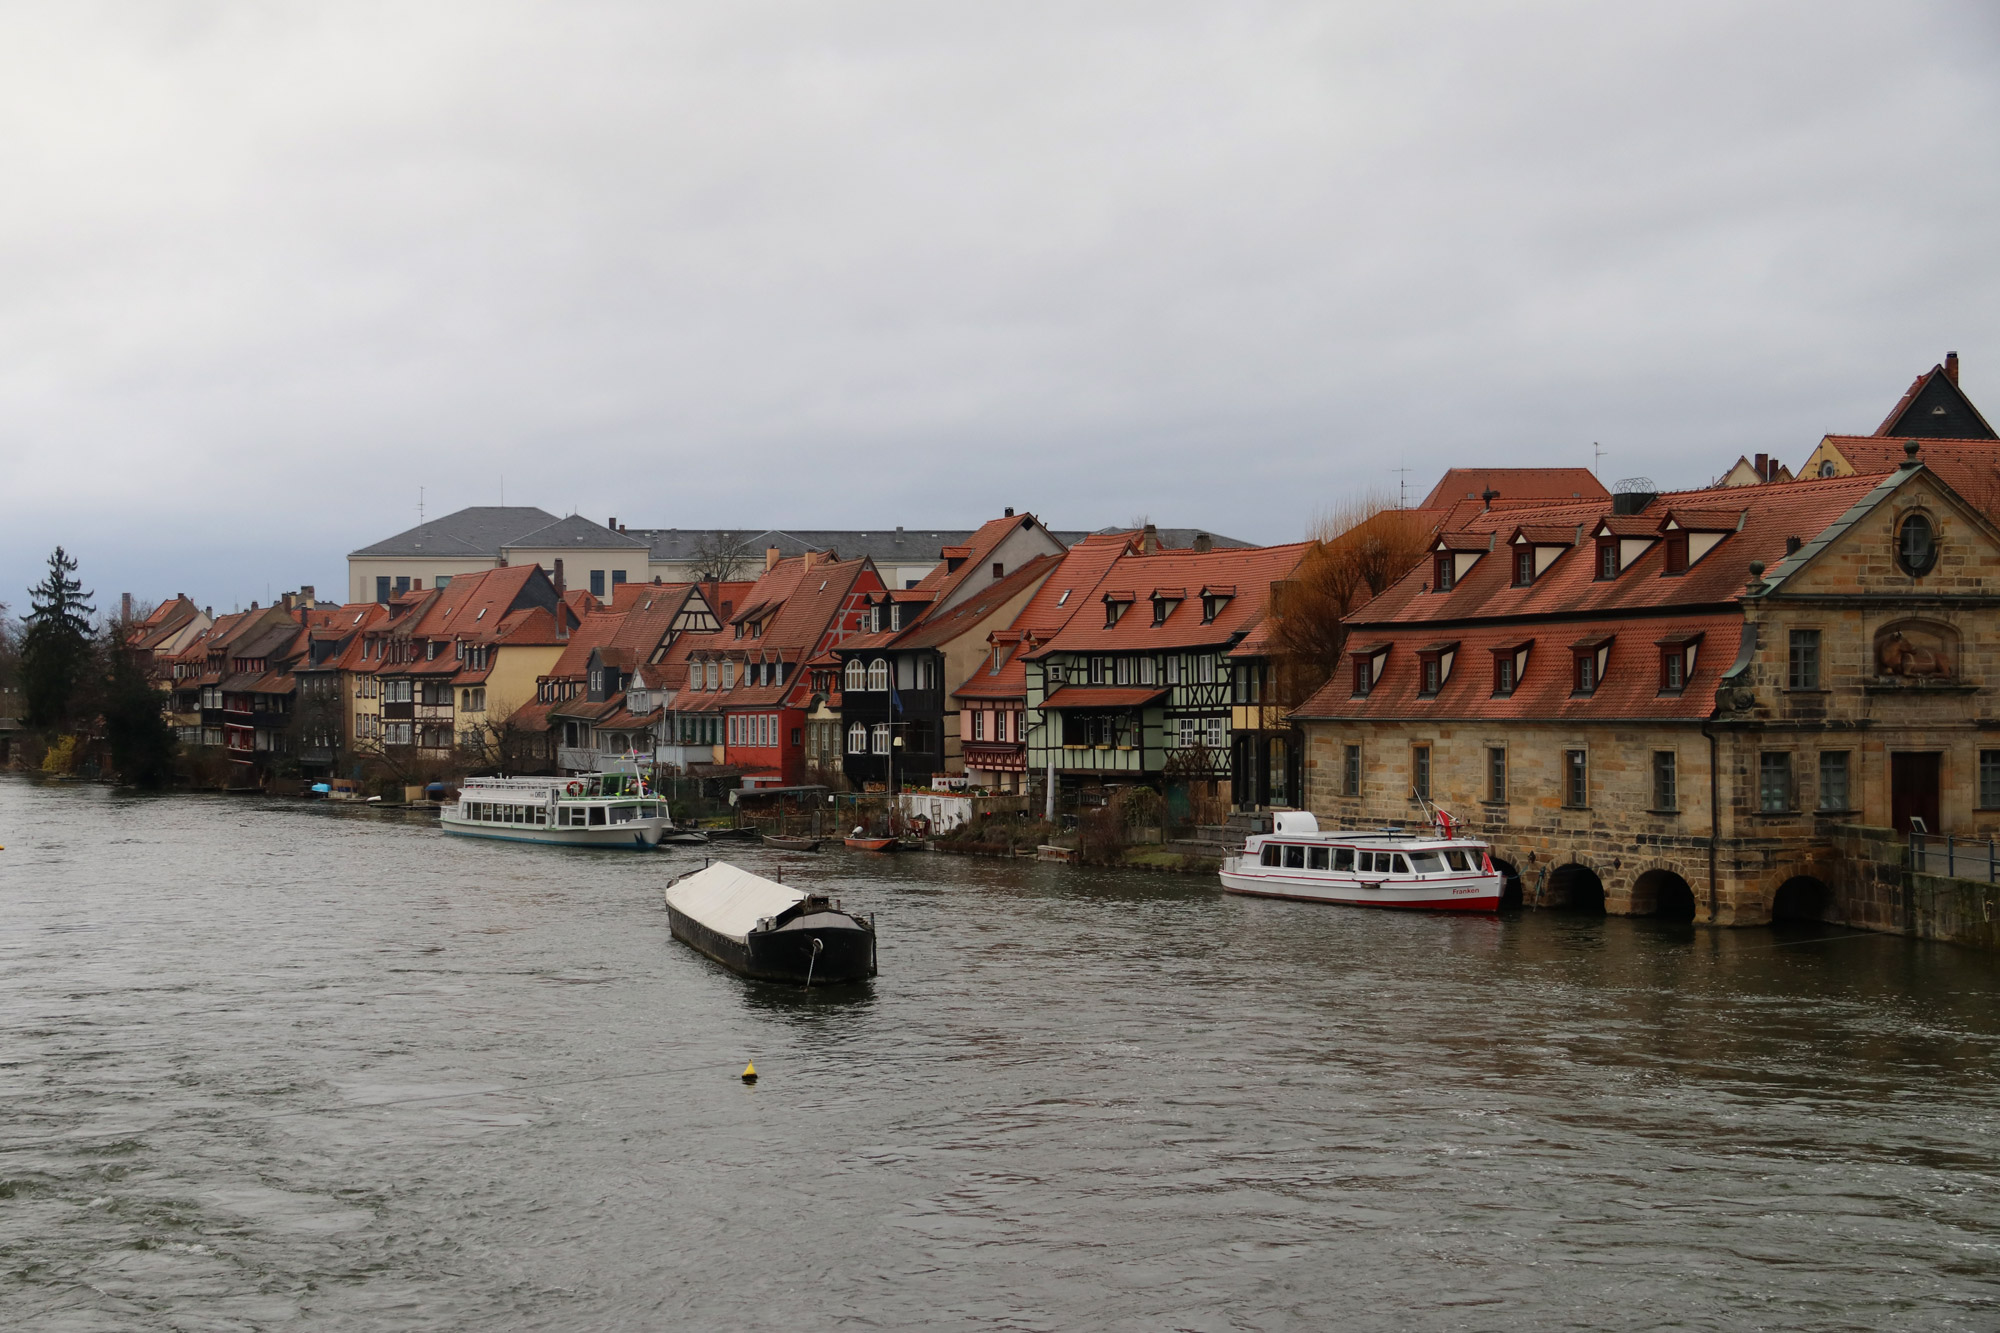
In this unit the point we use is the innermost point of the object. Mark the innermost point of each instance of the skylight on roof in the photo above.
(1065, 596)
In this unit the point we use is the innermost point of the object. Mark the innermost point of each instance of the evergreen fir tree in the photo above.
(135, 723)
(55, 649)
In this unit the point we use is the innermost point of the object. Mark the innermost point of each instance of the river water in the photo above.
(271, 1066)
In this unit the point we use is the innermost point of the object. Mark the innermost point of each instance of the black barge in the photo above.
(770, 931)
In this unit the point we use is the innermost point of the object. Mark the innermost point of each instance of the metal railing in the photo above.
(1924, 849)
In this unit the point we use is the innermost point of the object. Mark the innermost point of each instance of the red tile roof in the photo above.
(1515, 483)
(1247, 573)
(1061, 595)
(1970, 467)
(1570, 586)
(1630, 687)
(1104, 696)
(935, 630)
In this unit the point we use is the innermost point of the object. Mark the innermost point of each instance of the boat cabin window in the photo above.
(623, 814)
(541, 815)
(1456, 859)
(596, 814)
(1365, 862)
(1343, 859)
(1402, 866)
(1317, 861)
(1426, 863)
(1295, 858)
(1270, 856)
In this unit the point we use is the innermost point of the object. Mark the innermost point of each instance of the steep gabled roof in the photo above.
(1935, 407)
(1061, 595)
(934, 631)
(1242, 575)
(472, 606)
(596, 630)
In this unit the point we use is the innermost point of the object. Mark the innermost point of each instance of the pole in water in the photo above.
(750, 1072)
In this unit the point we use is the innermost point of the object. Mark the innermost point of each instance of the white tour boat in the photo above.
(1379, 868)
(608, 809)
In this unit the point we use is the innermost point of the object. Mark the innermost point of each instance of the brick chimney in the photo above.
(125, 605)
(1203, 542)
(307, 597)
(1149, 540)
(1762, 463)
(772, 555)
(291, 602)
(559, 577)
(612, 522)
(1951, 366)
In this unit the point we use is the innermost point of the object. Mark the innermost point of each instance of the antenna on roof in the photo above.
(420, 506)
(1402, 487)
(1596, 456)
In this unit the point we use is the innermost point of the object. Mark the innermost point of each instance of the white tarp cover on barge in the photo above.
(730, 900)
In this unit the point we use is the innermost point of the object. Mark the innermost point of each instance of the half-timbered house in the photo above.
(1139, 685)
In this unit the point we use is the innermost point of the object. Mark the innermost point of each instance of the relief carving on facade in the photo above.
(1916, 650)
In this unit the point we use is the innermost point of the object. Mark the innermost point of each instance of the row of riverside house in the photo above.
(1675, 703)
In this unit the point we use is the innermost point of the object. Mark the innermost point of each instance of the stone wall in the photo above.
(1876, 888)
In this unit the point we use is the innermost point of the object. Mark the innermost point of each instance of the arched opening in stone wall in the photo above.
(1576, 888)
(1663, 894)
(1802, 898)
(1510, 891)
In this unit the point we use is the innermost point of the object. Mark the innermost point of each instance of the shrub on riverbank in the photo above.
(997, 835)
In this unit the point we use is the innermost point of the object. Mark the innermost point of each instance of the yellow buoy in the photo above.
(750, 1073)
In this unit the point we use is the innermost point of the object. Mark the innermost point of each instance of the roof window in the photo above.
(1589, 658)
(1434, 667)
(1510, 663)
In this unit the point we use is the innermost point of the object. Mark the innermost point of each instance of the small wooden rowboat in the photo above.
(873, 844)
(791, 844)
(767, 930)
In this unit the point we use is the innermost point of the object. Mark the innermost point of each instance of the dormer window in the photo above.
(1368, 664)
(1213, 599)
(1677, 553)
(1116, 604)
(1589, 658)
(1524, 566)
(1607, 559)
(1445, 576)
(1434, 668)
(1677, 659)
(1510, 663)
(895, 615)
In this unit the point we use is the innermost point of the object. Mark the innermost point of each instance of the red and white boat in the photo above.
(1428, 871)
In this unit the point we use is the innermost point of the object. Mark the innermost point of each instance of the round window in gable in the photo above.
(1916, 545)
(1827, 469)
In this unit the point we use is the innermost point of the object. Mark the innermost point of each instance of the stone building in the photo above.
(1665, 703)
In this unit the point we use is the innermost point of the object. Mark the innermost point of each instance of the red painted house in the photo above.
(754, 676)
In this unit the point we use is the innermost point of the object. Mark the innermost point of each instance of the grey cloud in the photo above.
(271, 269)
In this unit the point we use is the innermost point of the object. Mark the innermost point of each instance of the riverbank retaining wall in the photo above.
(1875, 887)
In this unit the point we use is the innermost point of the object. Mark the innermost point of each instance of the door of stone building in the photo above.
(1913, 789)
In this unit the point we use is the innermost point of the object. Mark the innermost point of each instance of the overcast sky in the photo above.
(268, 269)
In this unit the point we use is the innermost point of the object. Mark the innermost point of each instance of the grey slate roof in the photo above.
(480, 530)
(576, 531)
(484, 530)
(882, 545)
